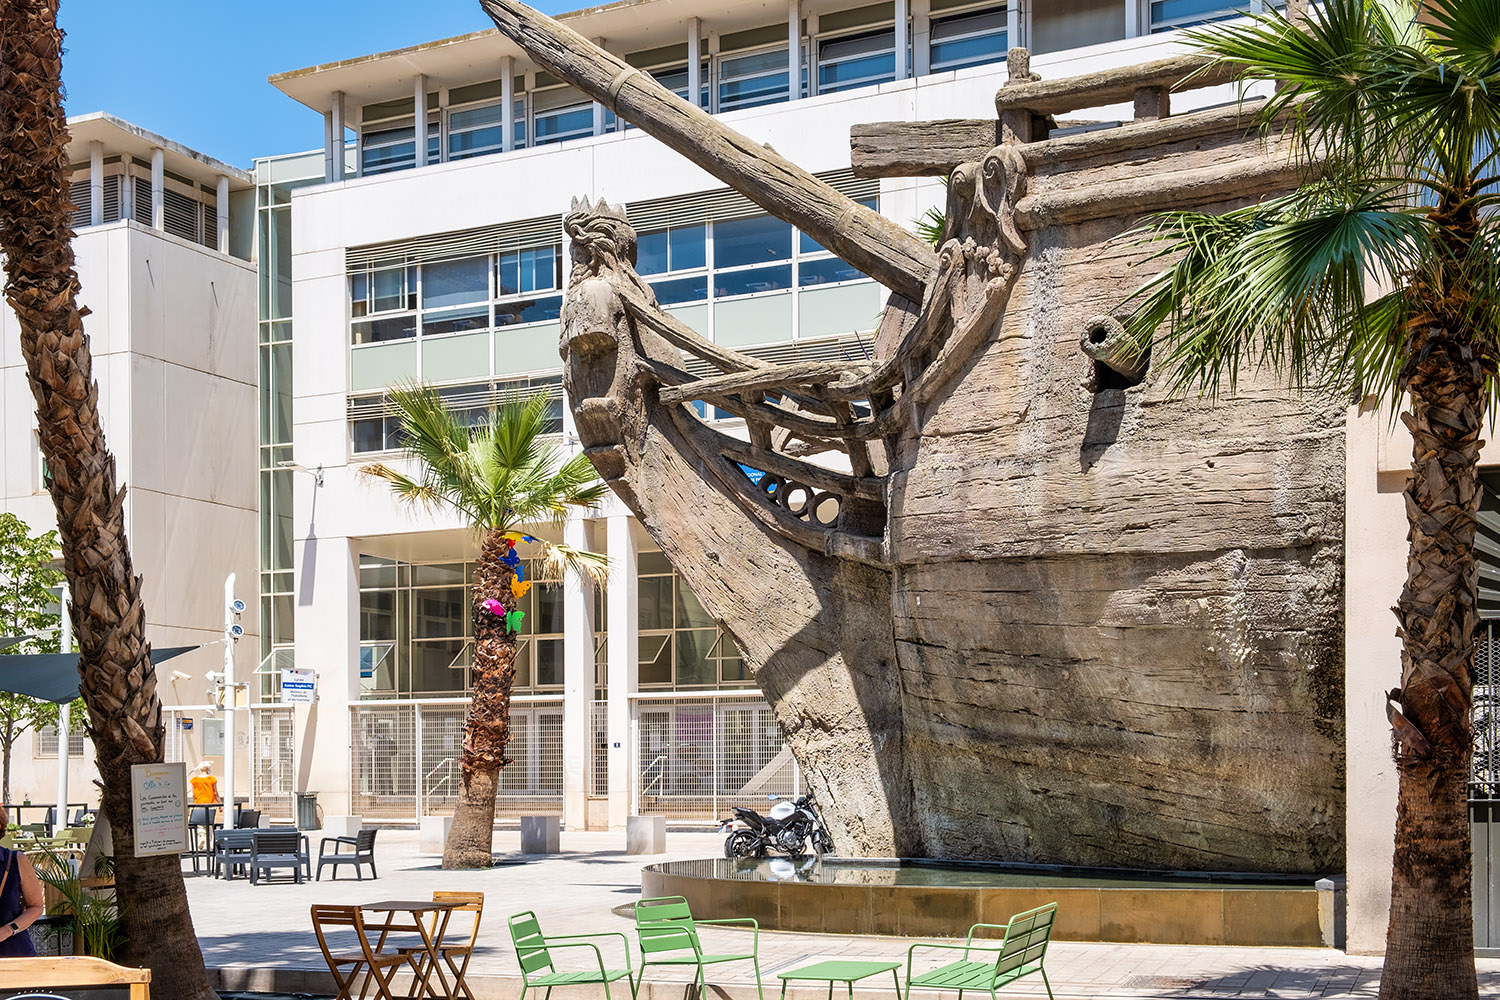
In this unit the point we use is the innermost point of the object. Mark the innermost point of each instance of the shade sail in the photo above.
(54, 676)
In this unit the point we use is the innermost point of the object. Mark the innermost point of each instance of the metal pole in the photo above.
(64, 721)
(230, 701)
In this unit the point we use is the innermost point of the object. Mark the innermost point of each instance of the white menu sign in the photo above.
(159, 808)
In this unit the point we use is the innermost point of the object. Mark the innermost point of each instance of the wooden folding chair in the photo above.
(367, 959)
(468, 902)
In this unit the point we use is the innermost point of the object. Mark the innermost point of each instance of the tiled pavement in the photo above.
(260, 936)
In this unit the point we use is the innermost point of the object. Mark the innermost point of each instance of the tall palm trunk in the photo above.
(1430, 943)
(487, 726)
(117, 678)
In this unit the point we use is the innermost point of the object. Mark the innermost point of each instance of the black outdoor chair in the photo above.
(363, 853)
(248, 819)
(231, 851)
(273, 849)
(80, 817)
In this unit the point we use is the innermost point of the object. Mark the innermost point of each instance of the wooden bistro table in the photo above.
(432, 940)
(840, 972)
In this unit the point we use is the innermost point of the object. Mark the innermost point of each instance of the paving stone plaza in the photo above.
(260, 937)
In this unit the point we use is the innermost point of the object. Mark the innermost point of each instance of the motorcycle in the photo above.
(787, 828)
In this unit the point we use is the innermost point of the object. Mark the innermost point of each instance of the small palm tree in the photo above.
(501, 475)
(1378, 275)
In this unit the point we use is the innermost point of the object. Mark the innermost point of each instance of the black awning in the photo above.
(54, 676)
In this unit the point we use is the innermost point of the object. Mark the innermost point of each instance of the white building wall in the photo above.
(172, 331)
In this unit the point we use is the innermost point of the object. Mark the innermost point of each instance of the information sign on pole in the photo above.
(159, 808)
(298, 686)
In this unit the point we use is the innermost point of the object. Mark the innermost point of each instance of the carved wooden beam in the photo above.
(878, 246)
(911, 149)
(802, 374)
(920, 149)
(1111, 86)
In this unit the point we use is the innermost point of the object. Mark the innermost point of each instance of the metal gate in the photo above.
(1484, 789)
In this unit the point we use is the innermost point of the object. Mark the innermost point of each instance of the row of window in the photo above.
(685, 264)
(374, 430)
(416, 631)
(187, 211)
(746, 78)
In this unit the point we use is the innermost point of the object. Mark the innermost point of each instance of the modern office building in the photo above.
(163, 249)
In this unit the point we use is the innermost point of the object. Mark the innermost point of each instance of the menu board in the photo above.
(159, 808)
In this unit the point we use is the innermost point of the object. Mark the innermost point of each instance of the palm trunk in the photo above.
(1430, 941)
(487, 726)
(117, 678)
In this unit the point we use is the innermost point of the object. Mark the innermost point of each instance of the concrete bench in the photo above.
(541, 834)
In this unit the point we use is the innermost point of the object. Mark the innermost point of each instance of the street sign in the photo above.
(299, 687)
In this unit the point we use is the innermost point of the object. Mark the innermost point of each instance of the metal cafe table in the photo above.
(429, 955)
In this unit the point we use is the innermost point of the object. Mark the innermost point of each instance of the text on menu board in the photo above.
(159, 808)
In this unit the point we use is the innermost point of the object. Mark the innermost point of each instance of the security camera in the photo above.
(213, 676)
(236, 630)
(237, 606)
(178, 675)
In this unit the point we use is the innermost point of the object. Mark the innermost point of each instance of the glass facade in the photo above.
(417, 640)
(276, 178)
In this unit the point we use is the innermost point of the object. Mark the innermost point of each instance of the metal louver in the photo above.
(112, 197)
(181, 215)
(80, 193)
(142, 206)
(829, 349)
(459, 245)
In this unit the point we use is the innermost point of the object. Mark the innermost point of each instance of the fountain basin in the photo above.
(920, 898)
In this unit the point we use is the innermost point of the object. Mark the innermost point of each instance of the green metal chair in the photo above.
(534, 953)
(1019, 953)
(668, 935)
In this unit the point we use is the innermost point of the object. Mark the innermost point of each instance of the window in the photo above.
(519, 276)
(675, 251)
(46, 743)
(744, 250)
(455, 296)
(968, 39)
(1169, 14)
(753, 79)
(381, 291)
(680, 645)
(559, 114)
(372, 429)
(856, 60)
(476, 131)
(389, 148)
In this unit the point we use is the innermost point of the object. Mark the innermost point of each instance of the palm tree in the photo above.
(500, 476)
(116, 675)
(1378, 275)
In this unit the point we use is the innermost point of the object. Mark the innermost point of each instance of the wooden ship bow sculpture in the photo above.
(1007, 598)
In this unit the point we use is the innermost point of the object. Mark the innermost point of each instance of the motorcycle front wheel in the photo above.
(743, 844)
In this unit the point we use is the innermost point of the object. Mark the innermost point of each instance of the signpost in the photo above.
(298, 686)
(159, 808)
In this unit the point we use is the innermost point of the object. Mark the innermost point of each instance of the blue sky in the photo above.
(196, 72)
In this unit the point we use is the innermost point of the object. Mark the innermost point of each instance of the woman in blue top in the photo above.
(20, 899)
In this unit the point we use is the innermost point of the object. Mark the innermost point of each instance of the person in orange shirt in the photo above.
(205, 785)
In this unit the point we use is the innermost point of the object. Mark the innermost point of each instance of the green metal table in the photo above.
(840, 972)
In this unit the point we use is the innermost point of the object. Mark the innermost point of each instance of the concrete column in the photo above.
(419, 117)
(328, 150)
(127, 189)
(327, 628)
(622, 613)
(1374, 574)
(508, 99)
(158, 189)
(338, 124)
(695, 62)
(1134, 19)
(1015, 24)
(221, 199)
(921, 38)
(901, 39)
(794, 48)
(578, 682)
(96, 183)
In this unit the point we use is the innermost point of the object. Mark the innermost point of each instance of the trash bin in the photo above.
(307, 811)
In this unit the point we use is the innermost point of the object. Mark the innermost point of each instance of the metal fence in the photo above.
(404, 759)
(272, 734)
(1485, 774)
(700, 756)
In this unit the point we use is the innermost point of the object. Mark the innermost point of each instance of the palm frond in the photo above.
(1279, 285)
(406, 489)
(558, 559)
